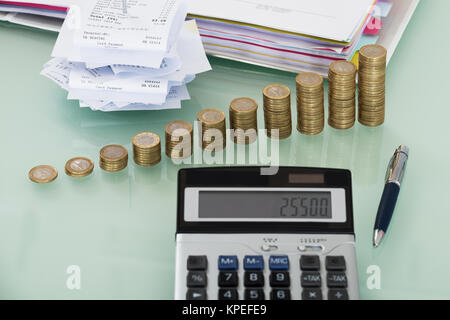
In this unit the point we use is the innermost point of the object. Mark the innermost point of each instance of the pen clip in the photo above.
(389, 167)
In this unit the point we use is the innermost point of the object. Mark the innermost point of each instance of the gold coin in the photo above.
(113, 152)
(146, 140)
(43, 174)
(276, 91)
(309, 79)
(211, 116)
(343, 68)
(373, 51)
(79, 167)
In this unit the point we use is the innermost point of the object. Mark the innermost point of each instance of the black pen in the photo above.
(394, 176)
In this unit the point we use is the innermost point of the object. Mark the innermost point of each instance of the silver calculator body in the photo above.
(243, 235)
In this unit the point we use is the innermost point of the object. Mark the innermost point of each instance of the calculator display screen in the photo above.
(266, 204)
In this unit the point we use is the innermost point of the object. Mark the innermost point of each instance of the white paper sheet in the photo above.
(328, 19)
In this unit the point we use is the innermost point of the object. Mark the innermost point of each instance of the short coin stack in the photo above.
(178, 139)
(310, 103)
(213, 129)
(341, 94)
(243, 120)
(277, 110)
(79, 167)
(146, 149)
(371, 85)
(113, 158)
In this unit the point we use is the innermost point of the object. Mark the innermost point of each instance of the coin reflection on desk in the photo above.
(43, 174)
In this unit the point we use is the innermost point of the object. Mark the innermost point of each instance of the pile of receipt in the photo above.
(127, 55)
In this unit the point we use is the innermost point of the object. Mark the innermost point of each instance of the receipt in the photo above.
(103, 84)
(140, 35)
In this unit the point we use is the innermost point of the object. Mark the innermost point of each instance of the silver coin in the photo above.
(79, 165)
(243, 104)
(211, 116)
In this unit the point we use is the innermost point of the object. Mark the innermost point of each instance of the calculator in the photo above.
(245, 235)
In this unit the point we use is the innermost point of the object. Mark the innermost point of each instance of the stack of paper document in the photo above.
(292, 35)
(127, 55)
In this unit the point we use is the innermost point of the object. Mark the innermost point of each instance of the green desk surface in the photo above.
(119, 228)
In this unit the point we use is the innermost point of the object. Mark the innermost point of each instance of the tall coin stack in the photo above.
(213, 130)
(277, 110)
(113, 158)
(146, 149)
(178, 139)
(371, 85)
(341, 94)
(243, 120)
(310, 103)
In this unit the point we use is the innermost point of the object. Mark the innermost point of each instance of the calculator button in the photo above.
(280, 294)
(196, 294)
(228, 294)
(197, 263)
(279, 263)
(228, 279)
(228, 263)
(336, 280)
(310, 263)
(196, 279)
(335, 263)
(253, 279)
(312, 294)
(253, 263)
(254, 294)
(280, 279)
(337, 294)
(311, 279)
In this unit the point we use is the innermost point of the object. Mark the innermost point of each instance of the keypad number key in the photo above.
(280, 294)
(311, 279)
(228, 279)
(280, 279)
(254, 294)
(253, 279)
(228, 294)
(336, 280)
(196, 279)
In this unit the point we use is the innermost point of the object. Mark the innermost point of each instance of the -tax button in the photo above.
(228, 263)
(279, 262)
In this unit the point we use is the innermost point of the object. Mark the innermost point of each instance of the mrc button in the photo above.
(228, 263)
(279, 262)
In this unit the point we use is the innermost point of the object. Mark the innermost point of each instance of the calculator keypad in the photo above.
(279, 277)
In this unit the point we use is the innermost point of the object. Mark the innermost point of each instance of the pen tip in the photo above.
(377, 237)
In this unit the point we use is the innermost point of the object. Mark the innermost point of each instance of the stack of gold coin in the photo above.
(371, 85)
(310, 103)
(243, 120)
(213, 130)
(178, 139)
(341, 94)
(43, 174)
(113, 158)
(277, 110)
(79, 167)
(146, 149)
